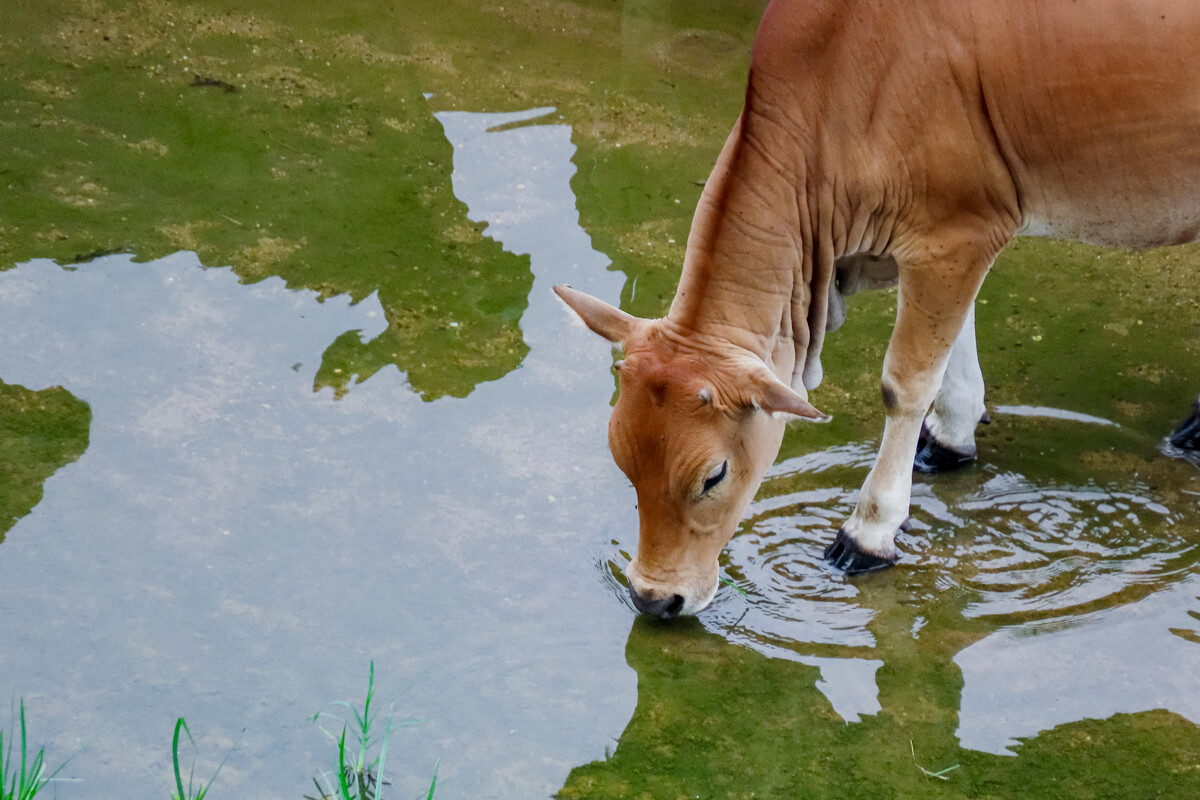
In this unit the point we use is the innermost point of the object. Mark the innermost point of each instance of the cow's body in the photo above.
(887, 141)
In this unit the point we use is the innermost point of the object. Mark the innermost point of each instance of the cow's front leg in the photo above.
(948, 434)
(934, 301)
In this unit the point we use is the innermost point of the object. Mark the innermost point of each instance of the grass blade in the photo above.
(433, 783)
(193, 791)
(360, 775)
(179, 794)
(343, 784)
(729, 582)
(22, 785)
(940, 774)
(25, 780)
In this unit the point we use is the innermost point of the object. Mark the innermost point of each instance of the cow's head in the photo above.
(696, 425)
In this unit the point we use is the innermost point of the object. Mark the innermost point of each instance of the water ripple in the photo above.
(1043, 551)
(1017, 550)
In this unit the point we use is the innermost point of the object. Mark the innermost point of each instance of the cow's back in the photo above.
(1096, 108)
(1079, 119)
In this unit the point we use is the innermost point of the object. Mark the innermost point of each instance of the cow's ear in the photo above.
(776, 397)
(611, 323)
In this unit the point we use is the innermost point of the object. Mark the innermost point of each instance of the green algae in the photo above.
(323, 165)
(40, 433)
(300, 143)
(152, 127)
(718, 721)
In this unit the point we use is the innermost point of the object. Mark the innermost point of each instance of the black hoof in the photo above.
(935, 457)
(845, 554)
(1187, 435)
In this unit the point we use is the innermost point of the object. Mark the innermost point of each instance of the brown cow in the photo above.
(882, 142)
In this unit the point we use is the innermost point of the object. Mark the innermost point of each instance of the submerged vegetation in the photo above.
(150, 127)
(714, 720)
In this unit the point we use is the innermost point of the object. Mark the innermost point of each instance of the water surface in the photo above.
(320, 407)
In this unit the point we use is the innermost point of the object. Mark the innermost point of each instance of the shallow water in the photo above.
(377, 435)
(234, 547)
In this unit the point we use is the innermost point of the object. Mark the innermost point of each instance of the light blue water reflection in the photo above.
(234, 548)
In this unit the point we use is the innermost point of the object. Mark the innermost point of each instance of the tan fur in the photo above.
(918, 137)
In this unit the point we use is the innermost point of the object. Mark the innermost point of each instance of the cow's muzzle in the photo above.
(664, 607)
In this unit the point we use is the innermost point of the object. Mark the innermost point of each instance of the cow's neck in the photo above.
(746, 276)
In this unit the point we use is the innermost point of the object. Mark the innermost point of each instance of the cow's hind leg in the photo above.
(948, 434)
(1187, 435)
(936, 293)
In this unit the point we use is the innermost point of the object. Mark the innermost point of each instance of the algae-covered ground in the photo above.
(39, 433)
(298, 141)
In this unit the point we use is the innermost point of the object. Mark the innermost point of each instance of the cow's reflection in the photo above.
(716, 719)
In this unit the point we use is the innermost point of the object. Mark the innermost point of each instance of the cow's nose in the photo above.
(665, 607)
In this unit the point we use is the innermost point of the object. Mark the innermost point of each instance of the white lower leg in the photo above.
(884, 500)
(959, 406)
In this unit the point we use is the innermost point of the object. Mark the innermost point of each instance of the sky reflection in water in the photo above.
(233, 547)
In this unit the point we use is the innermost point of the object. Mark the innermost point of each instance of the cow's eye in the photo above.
(716, 476)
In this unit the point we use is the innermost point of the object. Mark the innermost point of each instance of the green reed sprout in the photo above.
(24, 778)
(193, 791)
(358, 775)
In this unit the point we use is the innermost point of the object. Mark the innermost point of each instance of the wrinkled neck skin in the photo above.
(755, 290)
(748, 282)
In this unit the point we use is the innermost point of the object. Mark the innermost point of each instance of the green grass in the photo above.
(729, 582)
(24, 778)
(193, 791)
(327, 169)
(358, 774)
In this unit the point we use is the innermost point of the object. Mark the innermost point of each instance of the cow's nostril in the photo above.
(665, 607)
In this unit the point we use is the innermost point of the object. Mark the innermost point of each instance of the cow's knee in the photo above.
(1187, 435)
(901, 399)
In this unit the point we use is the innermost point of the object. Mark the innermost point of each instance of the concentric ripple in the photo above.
(1005, 546)
(791, 597)
(1042, 551)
